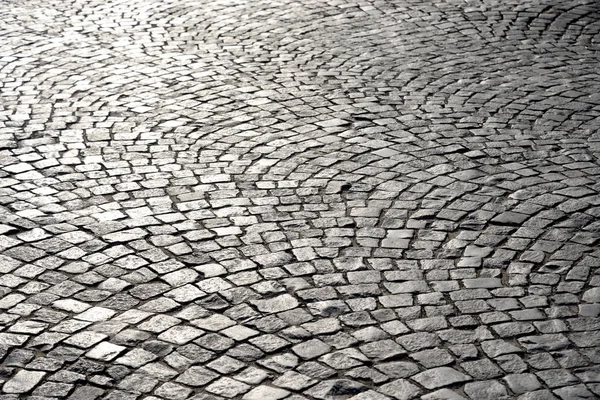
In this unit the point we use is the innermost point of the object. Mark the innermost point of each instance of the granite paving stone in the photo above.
(441, 376)
(299, 200)
(23, 381)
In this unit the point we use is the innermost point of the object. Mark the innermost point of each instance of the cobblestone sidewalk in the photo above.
(299, 199)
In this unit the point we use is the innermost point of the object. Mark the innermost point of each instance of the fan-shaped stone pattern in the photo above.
(299, 199)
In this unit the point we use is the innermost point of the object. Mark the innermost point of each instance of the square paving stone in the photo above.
(23, 381)
(227, 387)
(105, 351)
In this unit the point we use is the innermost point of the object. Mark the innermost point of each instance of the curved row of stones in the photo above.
(299, 200)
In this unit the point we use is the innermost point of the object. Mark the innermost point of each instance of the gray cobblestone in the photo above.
(299, 199)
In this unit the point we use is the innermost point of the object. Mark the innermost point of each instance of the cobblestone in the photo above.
(299, 199)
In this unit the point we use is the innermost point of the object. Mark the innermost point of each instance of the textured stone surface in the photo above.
(23, 381)
(299, 199)
(441, 376)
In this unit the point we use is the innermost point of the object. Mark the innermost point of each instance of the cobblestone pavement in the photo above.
(299, 199)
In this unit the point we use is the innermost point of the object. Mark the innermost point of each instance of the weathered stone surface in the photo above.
(486, 390)
(441, 376)
(227, 387)
(336, 388)
(592, 295)
(299, 199)
(400, 389)
(265, 392)
(197, 376)
(23, 381)
(522, 383)
(277, 304)
(443, 394)
(105, 351)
